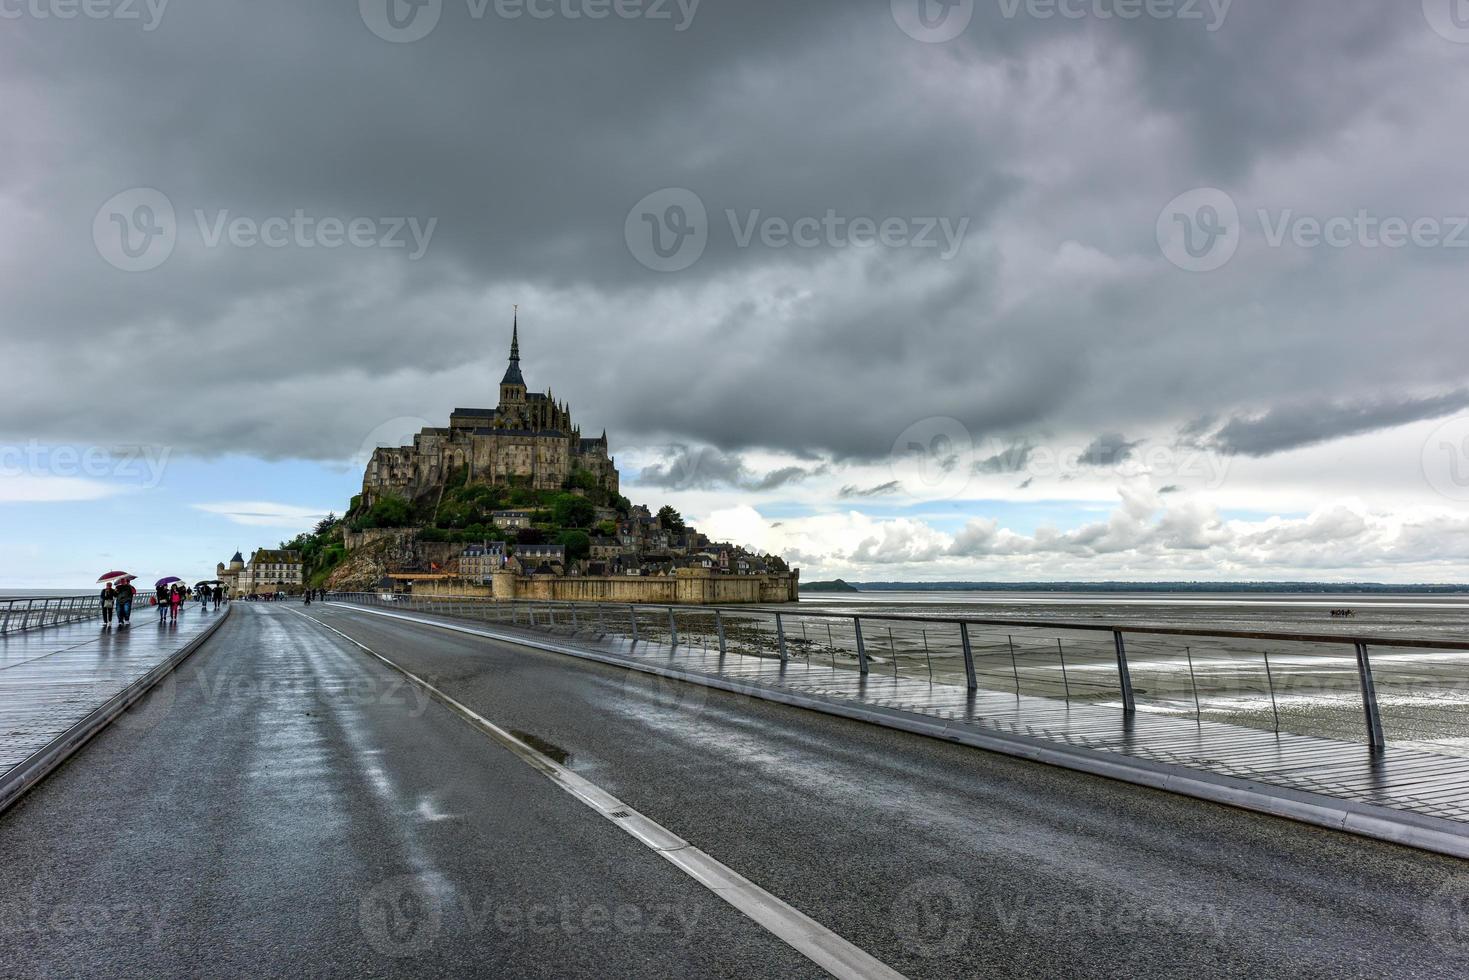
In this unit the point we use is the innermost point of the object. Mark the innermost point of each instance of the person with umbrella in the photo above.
(124, 600)
(160, 598)
(109, 596)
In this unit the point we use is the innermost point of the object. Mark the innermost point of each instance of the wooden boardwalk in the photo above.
(52, 678)
(1399, 778)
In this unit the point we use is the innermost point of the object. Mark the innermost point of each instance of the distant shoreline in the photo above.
(1137, 588)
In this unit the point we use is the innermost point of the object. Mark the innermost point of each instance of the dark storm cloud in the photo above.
(1296, 426)
(528, 141)
(882, 490)
(1108, 450)
(689, 468)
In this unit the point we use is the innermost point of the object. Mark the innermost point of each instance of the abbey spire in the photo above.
(512, 373)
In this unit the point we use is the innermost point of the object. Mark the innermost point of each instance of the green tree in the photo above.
(578, 545)
(671, 519)
(389, 511)
(573, 511)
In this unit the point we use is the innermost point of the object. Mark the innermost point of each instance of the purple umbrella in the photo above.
(167, 581)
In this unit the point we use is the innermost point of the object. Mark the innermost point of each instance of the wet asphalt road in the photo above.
(286, 806)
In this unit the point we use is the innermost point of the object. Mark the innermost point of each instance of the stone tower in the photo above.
(512, 386)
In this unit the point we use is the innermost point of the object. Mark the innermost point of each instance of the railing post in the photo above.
(672, 629)
(1375, 737)
(968, 657)
(632, 612)
(861, 647)
(780, 639)
(1124, 676)
(719, 622)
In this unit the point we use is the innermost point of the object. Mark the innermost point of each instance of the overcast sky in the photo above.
(982, 289)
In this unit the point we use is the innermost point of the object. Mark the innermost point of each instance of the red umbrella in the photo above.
(114, 576)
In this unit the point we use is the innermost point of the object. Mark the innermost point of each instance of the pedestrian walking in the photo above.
(218, 595)
(203, 600)
(109, 597)
(175, 602)
(161, 595)
(124, 602)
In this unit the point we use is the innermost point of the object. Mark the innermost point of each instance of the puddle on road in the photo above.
(555, 752)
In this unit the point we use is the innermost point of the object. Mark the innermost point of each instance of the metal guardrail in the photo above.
(34, 612)
(1334, 686)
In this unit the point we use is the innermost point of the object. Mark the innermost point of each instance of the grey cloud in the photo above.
(1108, 450)
(706, 468)
(882, 490)
(1012, 460)
(1295, 426)
(1058, 315)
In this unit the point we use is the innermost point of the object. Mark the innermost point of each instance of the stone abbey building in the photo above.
(528, 439)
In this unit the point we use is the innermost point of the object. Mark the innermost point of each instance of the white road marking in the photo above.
(805, 935)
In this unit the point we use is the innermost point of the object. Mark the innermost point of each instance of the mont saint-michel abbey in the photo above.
(528, 439)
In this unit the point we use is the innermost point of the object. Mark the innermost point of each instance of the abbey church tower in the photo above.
(511, 412)
(528, 440)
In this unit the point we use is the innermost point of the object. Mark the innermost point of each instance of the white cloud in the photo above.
(34, 489)
(265, 514)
